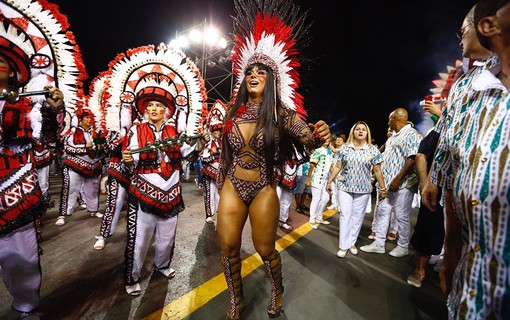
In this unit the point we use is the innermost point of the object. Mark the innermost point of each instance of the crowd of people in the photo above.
(257, 155)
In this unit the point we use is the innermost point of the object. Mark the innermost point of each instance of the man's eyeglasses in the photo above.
(462, 31)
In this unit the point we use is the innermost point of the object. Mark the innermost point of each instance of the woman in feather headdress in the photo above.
(264, 128)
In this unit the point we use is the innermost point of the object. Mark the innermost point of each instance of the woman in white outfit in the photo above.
(355, 161)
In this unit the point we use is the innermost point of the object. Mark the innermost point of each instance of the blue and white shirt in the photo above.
(398, 148)
(356, 167)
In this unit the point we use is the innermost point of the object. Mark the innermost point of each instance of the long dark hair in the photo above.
(278, 145)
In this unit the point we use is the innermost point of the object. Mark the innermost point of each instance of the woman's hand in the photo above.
(55, 97)
(320, 130)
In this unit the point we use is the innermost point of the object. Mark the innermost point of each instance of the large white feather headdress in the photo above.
(130, 72)
(55, 58)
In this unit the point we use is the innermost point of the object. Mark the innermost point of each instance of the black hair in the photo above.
(279, 147)
(486, 8)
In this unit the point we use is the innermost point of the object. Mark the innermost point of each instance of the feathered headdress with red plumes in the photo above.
(56, 58)
(446, 79)
(164, 67)
(96, 101)
(271, 32)
(216, 115)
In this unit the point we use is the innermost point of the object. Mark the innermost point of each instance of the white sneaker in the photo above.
(83, 206)
(96, 214)
(368, 210)
(314, 225)
(285, 226)
(341, 253)
(323, 222)
(61, 220)
(434, 259)
(168, 272)
(134, 290)
(437, 267)
(373, 247)
(353, 250)
(100, 243)
(209, 220)
(399, 252)
(372, 236)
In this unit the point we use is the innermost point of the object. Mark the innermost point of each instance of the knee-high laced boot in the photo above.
(273, 265)
(232, 271)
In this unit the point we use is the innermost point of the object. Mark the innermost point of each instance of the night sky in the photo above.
(365, 58)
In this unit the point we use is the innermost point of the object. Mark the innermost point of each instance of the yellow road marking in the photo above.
(198, 297)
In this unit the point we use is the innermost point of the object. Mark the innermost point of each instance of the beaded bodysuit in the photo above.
(248, 171)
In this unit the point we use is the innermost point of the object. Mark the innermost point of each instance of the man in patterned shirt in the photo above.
(400, 176)
(451, 126)
(481, 185)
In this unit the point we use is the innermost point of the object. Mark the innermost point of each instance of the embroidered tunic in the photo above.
(20, 194)
(211, 161)
(84, 161)
(155, 180)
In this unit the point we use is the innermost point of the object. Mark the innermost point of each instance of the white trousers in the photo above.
(393, 219)
(113, 207)
(43, 177)
(21, 271)
(186, 169)
(401, 202)
(352, 213)
(334, 194)
(119, 203)
(320, 198)
(90, 188)
(147, 226)
(285, 197)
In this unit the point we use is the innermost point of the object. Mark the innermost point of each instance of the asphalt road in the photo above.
(82, 283)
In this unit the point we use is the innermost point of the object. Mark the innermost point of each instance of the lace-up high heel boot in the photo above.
(273, 265)
(232, 271)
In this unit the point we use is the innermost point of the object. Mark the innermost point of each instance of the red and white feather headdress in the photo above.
(55, 58)
(165, 67)
(96, 102)
(271, 32)
(216, 116)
